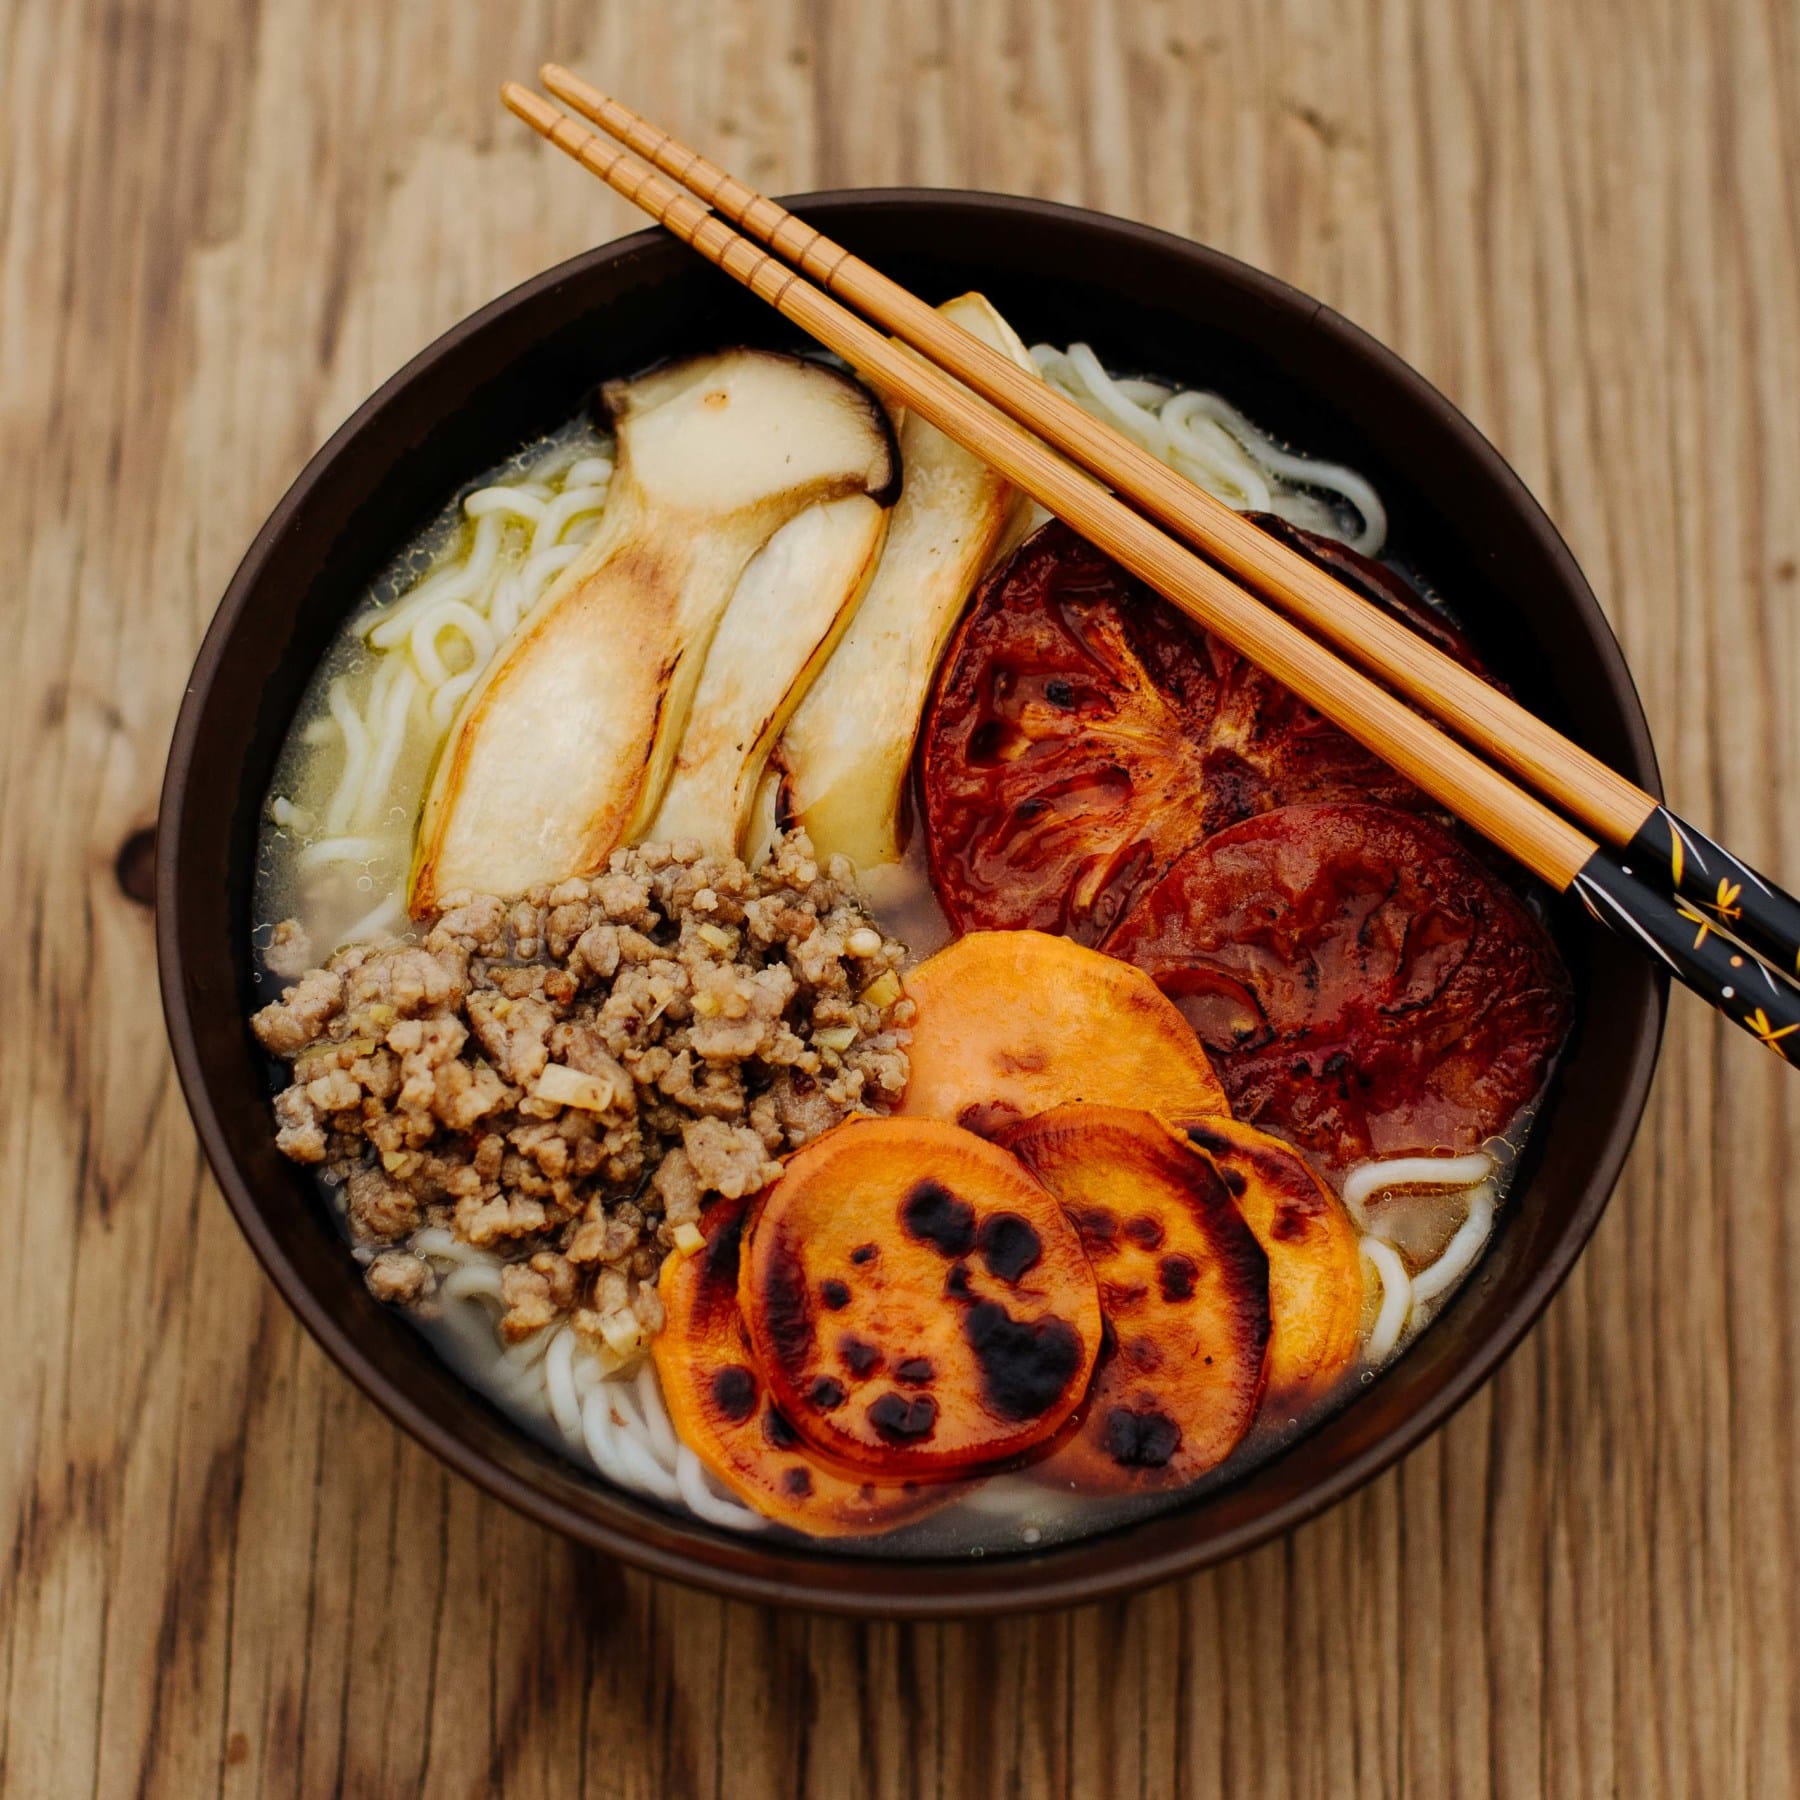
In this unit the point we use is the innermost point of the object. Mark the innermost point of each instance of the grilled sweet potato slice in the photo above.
(1365, 986)
(1012, 1023)
(1184, 1286)
(720, 1405)
(1315, 1264)
(919, 1303)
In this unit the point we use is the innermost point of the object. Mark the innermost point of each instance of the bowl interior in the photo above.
(1145, 302)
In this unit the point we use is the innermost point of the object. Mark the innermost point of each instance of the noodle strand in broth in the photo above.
(1206, 438)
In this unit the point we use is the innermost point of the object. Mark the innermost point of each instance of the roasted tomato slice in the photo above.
(1184, 1287)
(919, 1304)
(1081, 735)
(719, 1403)
(1365, 986)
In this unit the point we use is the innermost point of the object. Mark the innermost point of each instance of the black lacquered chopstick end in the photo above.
(1681, 936)
(1715, 883)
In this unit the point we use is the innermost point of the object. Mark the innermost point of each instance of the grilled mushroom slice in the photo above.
(562, 750)
(845, 752)
(785, 619)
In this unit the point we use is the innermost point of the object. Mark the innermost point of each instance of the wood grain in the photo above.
(220, 1570)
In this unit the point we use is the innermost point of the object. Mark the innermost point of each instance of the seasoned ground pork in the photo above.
(566, 1079)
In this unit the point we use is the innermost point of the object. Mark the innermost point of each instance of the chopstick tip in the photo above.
(557, 80)
(567, 86)
(520, 100)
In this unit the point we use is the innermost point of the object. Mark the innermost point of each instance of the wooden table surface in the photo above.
(221, 224)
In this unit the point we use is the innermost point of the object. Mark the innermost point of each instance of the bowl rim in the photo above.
(939, 1588)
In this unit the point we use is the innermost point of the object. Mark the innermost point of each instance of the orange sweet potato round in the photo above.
(1315, 1264)
(720, 1406)
(919, 1303)
(1012, 1023)
(1184, 1286)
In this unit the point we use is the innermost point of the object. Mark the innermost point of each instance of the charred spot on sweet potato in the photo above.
(1144, 1439)
(1176, 1276)
(1144, 1231)
(1011, 1023)
(981, 1293)
(1025, 1368)
(785, 1306)
(1187, 1305)
(734, 1392)
(937, 1217)
(722, 1247)
(1009, 1246)
(1098, 1226)
(899, 1419)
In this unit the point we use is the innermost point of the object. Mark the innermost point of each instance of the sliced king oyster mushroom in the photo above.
(561, 751)
(791, 607)
(846, 749)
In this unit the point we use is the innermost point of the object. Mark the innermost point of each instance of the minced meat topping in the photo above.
(565, 1079)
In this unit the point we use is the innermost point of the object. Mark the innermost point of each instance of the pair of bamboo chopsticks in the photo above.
(1712, 921)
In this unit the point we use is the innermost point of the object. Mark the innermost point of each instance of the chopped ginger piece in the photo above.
(884, 990)
(563, 1086)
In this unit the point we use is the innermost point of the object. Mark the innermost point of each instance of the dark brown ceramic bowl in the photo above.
(1144, 300)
